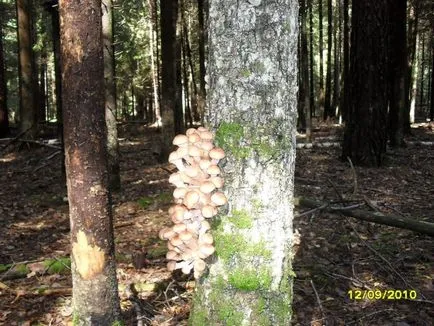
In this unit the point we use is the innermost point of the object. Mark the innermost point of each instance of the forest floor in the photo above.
(334, 254)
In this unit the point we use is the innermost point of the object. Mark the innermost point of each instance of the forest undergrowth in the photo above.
(334, 254)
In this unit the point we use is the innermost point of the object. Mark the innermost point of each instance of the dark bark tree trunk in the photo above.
(431, 111)
(337, 56)
(95, 291)
(28, 108)
(201, 13)
(304, 71)
(179, 114)
(397, 69)
(42, 102)
(4, 118)
(110, 96)
(169, 14)
(252, 104)
(52, 7)
(328, 110)
(311, 63)
(321, 58)
(422, 73)
(346, 63)
(365, 134)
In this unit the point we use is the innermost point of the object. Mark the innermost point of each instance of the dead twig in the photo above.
(317, 299)
(354, 175)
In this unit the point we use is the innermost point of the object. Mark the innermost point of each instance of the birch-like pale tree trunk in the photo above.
(252, 107)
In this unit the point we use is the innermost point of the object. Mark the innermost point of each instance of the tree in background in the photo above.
(169, 14)
(4, 119)
(365, 134)
(28, 89)
(252, 105)
(397, 60)
(328, 110)
(110, 95)
(95, 292)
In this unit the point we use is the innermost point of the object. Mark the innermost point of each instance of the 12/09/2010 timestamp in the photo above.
(382, 294)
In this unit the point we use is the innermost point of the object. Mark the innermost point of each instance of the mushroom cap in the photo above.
(207, 238)
(208, 211)
(178, 228)
(166, 233)
(194, 151)
(194, 138)
(176, 241)
(176, 207)
(179, 192)
(207, 187)
(201, 128)
(182, 152)
(191, 199)
(185, 235)
(173, 157)
(217, 153)
(204, 164)
(213, 170)
(180, 140)
(205, 226)
(219, 198)
(177, 216)
(175, 179)
(217, 181)
(192, 171)
(206, 145)
(190, 131)
(206, 135)
(172, 255)
(199, 265)
(205, 250)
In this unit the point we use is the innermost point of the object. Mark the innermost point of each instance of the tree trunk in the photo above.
(179, 110)
(52, 7)
(28, 108)
(312, 63)
(346, 63)
(153, 48)
(201, 12)
(422, 74)
(397, 69)
(252, 104)
(4, 119)
(328, 110)
(169, 13)
(304, 71)
(411, 67)
(95, 292)
(110, 95)
(365, 135)
(431, 110)
(321, 59)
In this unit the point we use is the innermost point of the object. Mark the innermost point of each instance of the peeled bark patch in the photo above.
(89, 260)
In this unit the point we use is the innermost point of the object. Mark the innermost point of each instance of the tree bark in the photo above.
(169, 13)
(201, 15)
(153, 48)
(411, 66)
(252, 105)
(27, 78)
(95, 292)
(4, 119)
(328, 110)
(110, 96)
(321, 58)
(311, 63)
(397, 69)
(304, 72)
(365, 135)
(346, 63)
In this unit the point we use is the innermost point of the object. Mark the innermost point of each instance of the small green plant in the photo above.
(145, 202)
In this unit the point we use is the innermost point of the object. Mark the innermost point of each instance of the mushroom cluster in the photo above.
(197, 197)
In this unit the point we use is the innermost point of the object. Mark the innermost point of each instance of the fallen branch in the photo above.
(375, 217)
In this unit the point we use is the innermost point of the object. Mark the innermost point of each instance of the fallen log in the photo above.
(375, 217)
